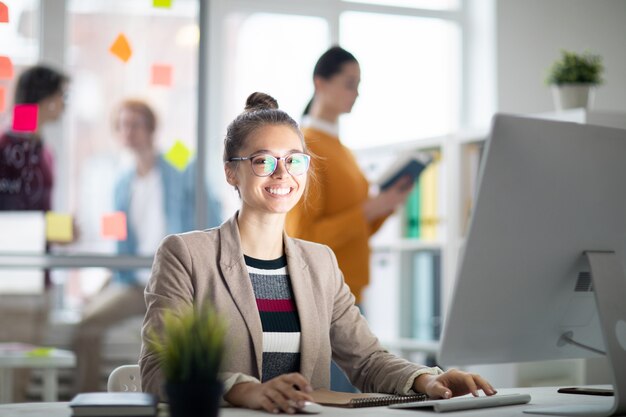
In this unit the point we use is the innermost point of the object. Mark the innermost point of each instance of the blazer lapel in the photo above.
(236, 276)
(307, 309)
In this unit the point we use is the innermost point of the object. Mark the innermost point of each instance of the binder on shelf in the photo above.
(426, 295)
(472, 155)
(429, 200)
(412, 213)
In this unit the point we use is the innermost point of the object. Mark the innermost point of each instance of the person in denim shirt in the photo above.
(158, 200)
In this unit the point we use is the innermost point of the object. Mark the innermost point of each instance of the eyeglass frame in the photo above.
(278, 159)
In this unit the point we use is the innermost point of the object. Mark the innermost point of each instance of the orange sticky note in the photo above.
(162, 3)
(4, 13)
(6, 68)
(113, 226)
(59, 227)
(25, 117)
(161, 74)
(3, 93)
(121, 48)
(178, 155)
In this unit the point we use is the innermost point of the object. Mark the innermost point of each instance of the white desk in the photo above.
(540, 397)
(14, 355)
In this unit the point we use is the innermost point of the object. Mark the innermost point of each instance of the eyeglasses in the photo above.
(264, 165)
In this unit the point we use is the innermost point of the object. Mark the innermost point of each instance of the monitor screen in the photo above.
(548, 193)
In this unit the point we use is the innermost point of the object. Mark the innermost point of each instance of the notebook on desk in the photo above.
(352, 400)
(466, 403)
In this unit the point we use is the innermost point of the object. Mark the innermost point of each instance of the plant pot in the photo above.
(194, 399)
(572, 96)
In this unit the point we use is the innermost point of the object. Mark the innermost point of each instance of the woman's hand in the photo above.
(452, 383)
(284, 393)
(388, 200)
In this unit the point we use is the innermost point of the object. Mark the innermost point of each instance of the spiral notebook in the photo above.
(350, 400)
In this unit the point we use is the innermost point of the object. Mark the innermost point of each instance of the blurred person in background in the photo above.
(158, 200)
(339, 211)
(26, 184)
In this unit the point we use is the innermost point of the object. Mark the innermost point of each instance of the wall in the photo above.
(530, 35)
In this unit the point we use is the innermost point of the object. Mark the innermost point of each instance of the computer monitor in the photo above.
(551, 196)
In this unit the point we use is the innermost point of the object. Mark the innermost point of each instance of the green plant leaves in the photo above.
(575, 68)
(190, 345)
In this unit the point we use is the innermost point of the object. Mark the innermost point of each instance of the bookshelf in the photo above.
(390, 302)
(414, 255)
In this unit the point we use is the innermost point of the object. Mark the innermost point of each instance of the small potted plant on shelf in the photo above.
(573, 79)
(190, 348)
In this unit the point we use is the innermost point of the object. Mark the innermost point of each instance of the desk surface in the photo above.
(540, 397)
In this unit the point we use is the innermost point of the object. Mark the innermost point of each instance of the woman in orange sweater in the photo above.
(338, 210)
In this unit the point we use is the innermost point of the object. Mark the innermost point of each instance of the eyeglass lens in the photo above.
(265, 165)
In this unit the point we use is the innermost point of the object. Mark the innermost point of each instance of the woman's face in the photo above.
(278, 192)
(339, 92)
(133, 130)
(51, 108)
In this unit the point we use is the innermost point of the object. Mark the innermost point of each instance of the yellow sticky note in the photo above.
(179, 155)
(59, 227)
(162, 3)
(40, 352)
(121, 48)
(4, 13)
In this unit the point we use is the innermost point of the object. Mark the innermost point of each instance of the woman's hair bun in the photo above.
(260, 101)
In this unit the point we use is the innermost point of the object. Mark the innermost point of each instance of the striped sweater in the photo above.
(279, 316)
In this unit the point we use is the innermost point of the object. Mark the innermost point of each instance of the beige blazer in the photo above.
(193, 267)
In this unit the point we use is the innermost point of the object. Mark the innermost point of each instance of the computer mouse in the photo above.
(310, 408)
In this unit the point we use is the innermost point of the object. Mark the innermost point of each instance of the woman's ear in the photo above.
(230, 169)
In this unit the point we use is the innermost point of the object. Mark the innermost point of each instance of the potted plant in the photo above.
(573, 79)
(190, 348)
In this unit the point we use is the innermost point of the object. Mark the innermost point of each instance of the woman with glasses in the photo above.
(284, 299)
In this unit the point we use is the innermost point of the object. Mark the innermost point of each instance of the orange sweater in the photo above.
(331, 213)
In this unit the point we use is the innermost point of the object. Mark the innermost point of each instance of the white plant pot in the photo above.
(572, 96)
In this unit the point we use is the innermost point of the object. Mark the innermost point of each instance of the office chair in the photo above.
(125, 378)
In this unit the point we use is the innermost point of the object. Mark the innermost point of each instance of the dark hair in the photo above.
(330, 63)
(138, 106)
(261, 110)
(38, 83)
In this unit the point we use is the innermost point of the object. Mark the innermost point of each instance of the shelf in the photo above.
(74, 261)
(407, 245)
(411, 345)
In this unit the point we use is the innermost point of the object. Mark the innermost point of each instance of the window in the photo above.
(410, 78)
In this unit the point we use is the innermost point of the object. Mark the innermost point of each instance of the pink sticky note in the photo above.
(161, 75)
(3, 93)
(25, 117)
(114, 226)
(6, 68)
(4, 13)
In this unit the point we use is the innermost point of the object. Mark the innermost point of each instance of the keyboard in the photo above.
(466, 403)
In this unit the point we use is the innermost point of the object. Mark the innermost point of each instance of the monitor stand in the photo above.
(609, 285)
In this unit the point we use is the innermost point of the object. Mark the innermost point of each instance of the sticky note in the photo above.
(161, 74)
(178, 155)
(40, 352)
(162, 3)
(25, 117)
(3, 93)
(121, 48)
(6, 68)
(4, 13)
(114, 226)
(59, 227)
